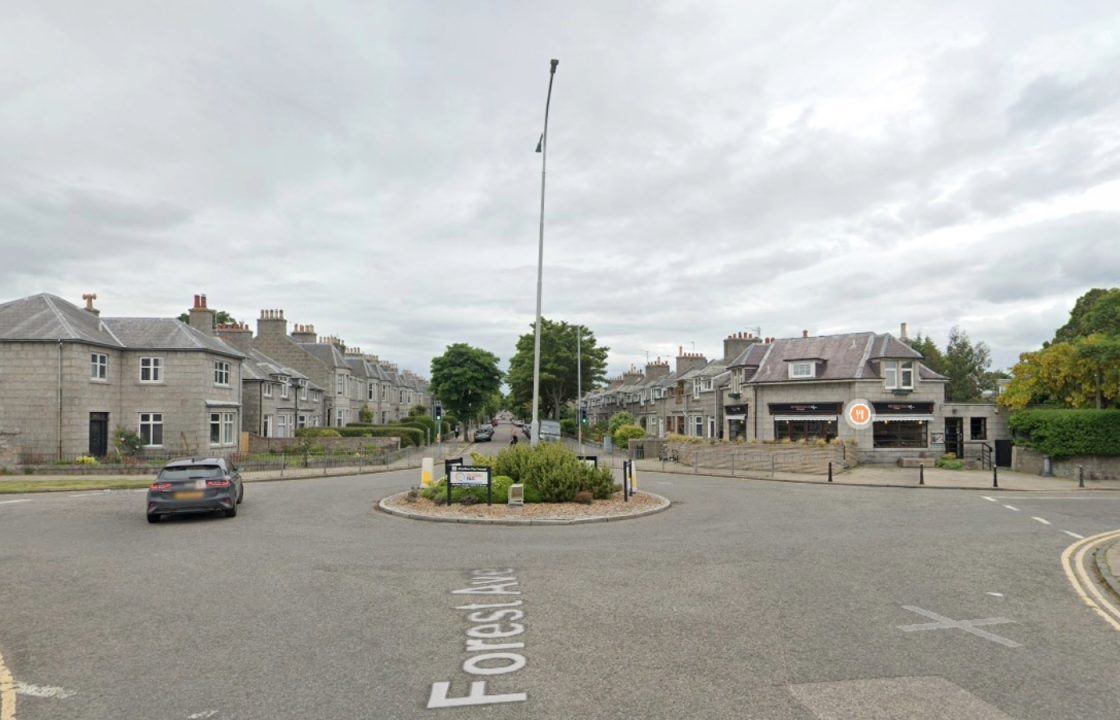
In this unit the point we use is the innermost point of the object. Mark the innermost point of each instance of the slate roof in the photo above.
(46, 317)
(853, 356)
(166, 334)
(326, 353)
(258, 366)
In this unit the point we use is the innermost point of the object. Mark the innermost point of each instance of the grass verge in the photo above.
(11, 487)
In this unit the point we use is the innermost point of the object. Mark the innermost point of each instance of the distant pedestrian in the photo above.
(513, 439)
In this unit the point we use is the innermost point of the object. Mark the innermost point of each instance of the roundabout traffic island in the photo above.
(413, 506)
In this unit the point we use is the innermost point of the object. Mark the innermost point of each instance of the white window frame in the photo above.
(221, 373)
(152, 421)
(698, 425)
(99, 367)
(802, 370)
(268, 426)
(895, 371)
(340, 384)
(282, 425)
(223, 423)
(154, 367)
(284, 391)
(268, 389)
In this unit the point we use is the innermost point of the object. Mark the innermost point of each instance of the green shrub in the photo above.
(409, 436)
(949, 461)
(568, 426)
(625, 433)
(365, 415)
(319, 432)
(618, 420)
(1068, 433)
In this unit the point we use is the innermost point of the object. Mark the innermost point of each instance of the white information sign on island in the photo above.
(469, 476)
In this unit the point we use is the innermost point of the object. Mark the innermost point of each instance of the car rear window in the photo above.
(190, 472)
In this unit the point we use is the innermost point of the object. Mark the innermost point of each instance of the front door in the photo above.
(954, 436)
(98, 434)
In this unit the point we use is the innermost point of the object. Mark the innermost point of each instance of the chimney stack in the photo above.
(200, 317)
(272, 324)
(736, 343)
(236, 334)
(657, 369)
(804, 333)
(902, 331)
(89, 298)
(303, 333)
(689, 361)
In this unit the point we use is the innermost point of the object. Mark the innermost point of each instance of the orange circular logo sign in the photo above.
(858, 413)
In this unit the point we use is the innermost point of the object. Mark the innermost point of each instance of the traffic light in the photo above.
(439, 413)
(583, 415)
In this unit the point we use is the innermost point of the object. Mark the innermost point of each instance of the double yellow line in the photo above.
(1073, 562)
(7, 693)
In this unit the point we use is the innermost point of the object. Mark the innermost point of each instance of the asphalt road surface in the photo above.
(746, 599)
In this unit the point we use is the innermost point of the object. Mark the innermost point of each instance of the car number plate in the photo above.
(193, 495)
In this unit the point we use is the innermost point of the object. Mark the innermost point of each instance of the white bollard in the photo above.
(426, 466)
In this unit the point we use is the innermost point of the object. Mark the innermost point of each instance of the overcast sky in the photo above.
(712, 168)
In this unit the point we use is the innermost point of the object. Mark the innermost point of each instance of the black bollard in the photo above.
(830, 471)
(995, 476)
(922, 474)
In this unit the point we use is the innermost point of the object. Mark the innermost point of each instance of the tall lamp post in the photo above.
(579, 388)
(542, 148)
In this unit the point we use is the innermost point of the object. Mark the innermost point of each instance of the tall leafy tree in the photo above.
(221, 317)
(558, 367)
(1080, 367)
(966, 367)
(932, 356)
(465, 378)
(1095, 312)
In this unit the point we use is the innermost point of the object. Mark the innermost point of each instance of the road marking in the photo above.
(1011, 507)
(969, 626)
(1094, 498)
(202, 715)
(989, 499)
(1073, 562)
(7, 693)
(9, 502)
(1044, 521)
(1074, 535)
(43, 691)
(995, 594)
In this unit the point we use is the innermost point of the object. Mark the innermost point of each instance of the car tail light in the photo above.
(223, 483)
(160, 486)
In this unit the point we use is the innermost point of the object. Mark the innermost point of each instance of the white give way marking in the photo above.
(43, 691)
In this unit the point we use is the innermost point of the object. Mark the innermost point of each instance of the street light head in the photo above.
(540, 143)
(554, 62)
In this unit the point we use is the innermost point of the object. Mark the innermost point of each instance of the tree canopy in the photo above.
(221, 317)
(465, 378)
(1080, 368)
(558, 367)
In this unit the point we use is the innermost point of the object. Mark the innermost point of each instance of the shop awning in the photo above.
(904, 418)
(824, 418)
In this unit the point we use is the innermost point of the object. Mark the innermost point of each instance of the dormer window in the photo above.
(898, 374)
(802, 370)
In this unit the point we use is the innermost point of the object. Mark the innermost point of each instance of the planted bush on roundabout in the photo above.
(551, 473)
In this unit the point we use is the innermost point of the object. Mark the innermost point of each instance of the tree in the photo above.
(221, 317)
(931, 354)
(1080, 367)
(558, 367)
(464, 378)
(966, 367)
(1095, 312)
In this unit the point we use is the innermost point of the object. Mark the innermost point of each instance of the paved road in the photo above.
(745, 600)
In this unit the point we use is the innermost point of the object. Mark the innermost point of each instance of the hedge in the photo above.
(1068, 433)
(409, 436)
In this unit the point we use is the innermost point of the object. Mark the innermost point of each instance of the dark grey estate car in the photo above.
(195, 485)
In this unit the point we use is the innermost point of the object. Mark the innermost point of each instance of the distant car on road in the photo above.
(484, 434)
(195, 485)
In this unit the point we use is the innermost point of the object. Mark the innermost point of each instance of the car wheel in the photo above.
(232, 512)
(240, 494)
(153, 518)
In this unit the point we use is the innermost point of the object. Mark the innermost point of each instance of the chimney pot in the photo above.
(203, 297)
(804, 333)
